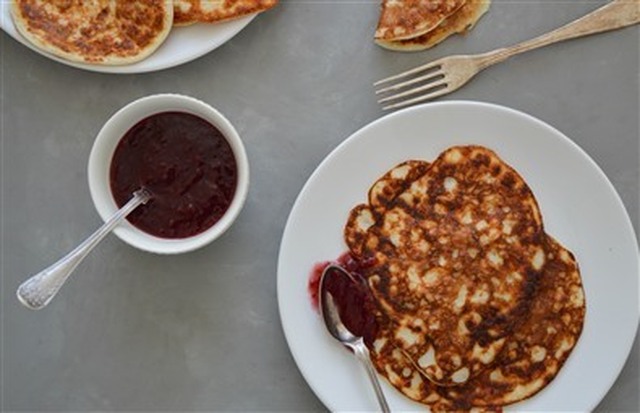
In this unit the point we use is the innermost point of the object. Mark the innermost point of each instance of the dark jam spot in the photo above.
(314, 283)
(354, 300)
(187, 165)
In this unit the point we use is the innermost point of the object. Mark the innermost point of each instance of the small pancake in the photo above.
(539, 348)
(99, 32)
(209, 11)
(406, 19)
(457, 256)
(461, 21)
(381, 194)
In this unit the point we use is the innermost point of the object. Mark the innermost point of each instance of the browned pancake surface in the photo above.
(539, 348)
(457, 257)
(209, 11)
(461, 21)
(405, 19)
(99, 31)
(385, 190)
(380, 196)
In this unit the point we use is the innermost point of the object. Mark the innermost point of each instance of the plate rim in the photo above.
(417, 108)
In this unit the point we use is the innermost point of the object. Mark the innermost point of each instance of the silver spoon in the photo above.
(38, 290)
(339, 331)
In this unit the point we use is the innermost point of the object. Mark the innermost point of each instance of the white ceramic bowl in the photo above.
(105, 145)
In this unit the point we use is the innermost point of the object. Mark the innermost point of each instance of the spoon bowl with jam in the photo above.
(345, 308)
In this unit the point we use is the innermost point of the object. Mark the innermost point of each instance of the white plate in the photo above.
(580, 208)
(183, 44)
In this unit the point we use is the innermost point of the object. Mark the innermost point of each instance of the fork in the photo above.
(445, 75)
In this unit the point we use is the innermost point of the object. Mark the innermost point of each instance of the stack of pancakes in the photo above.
(117, 32)
(411, 25)
(477, 306)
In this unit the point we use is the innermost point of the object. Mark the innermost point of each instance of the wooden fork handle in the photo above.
(614, 15)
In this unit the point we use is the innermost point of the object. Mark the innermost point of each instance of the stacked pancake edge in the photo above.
(413, 25)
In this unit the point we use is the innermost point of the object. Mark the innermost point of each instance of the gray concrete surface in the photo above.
(200, 331)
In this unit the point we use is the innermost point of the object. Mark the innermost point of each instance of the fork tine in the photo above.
(427, 96)
(428, 78)
(442, 82)
(427, 67)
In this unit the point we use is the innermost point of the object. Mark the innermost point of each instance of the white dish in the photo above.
(183, 44)
(580, 207)
(105, 145)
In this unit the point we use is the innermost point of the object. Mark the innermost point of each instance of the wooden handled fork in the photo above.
(445, 75)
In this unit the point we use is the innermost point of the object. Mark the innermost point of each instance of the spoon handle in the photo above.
(37, 291)
(362, 352)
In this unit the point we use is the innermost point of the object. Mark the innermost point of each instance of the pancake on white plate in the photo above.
(104, 32)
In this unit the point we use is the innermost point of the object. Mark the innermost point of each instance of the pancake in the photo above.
(461, 21)
(361, 218)
(539, 348)
(99, 32)
(381, 194)
(406, 19)
(535, 350)
(393, 183)
(457, 256)
(209, 11)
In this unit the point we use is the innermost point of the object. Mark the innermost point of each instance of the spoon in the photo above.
(340, 332)
(38, 290)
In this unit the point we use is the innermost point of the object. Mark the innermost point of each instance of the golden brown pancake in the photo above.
(461, 21)
(381, 194)
(361, 218)
(100, 31)
(533, 355)
(209, 11)
(393, 183)
(406, 19)
(457, 255)
(539, 347)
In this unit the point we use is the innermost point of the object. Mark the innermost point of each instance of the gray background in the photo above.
(200, 331)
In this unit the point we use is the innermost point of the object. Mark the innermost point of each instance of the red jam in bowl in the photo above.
(187, 165)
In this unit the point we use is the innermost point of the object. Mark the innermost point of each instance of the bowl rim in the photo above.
(114, 130)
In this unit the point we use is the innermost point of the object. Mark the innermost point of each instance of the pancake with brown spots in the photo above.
(457, 258)
(381, 194)
(537, 350)
(211, 11)
(406, 19)
(461, 21)
(103, 32)
(385, 190)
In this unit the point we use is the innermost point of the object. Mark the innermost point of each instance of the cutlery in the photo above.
(340, 332)
(36, 292)
(445, 75)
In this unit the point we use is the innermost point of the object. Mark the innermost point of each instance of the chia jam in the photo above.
(185, 163)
